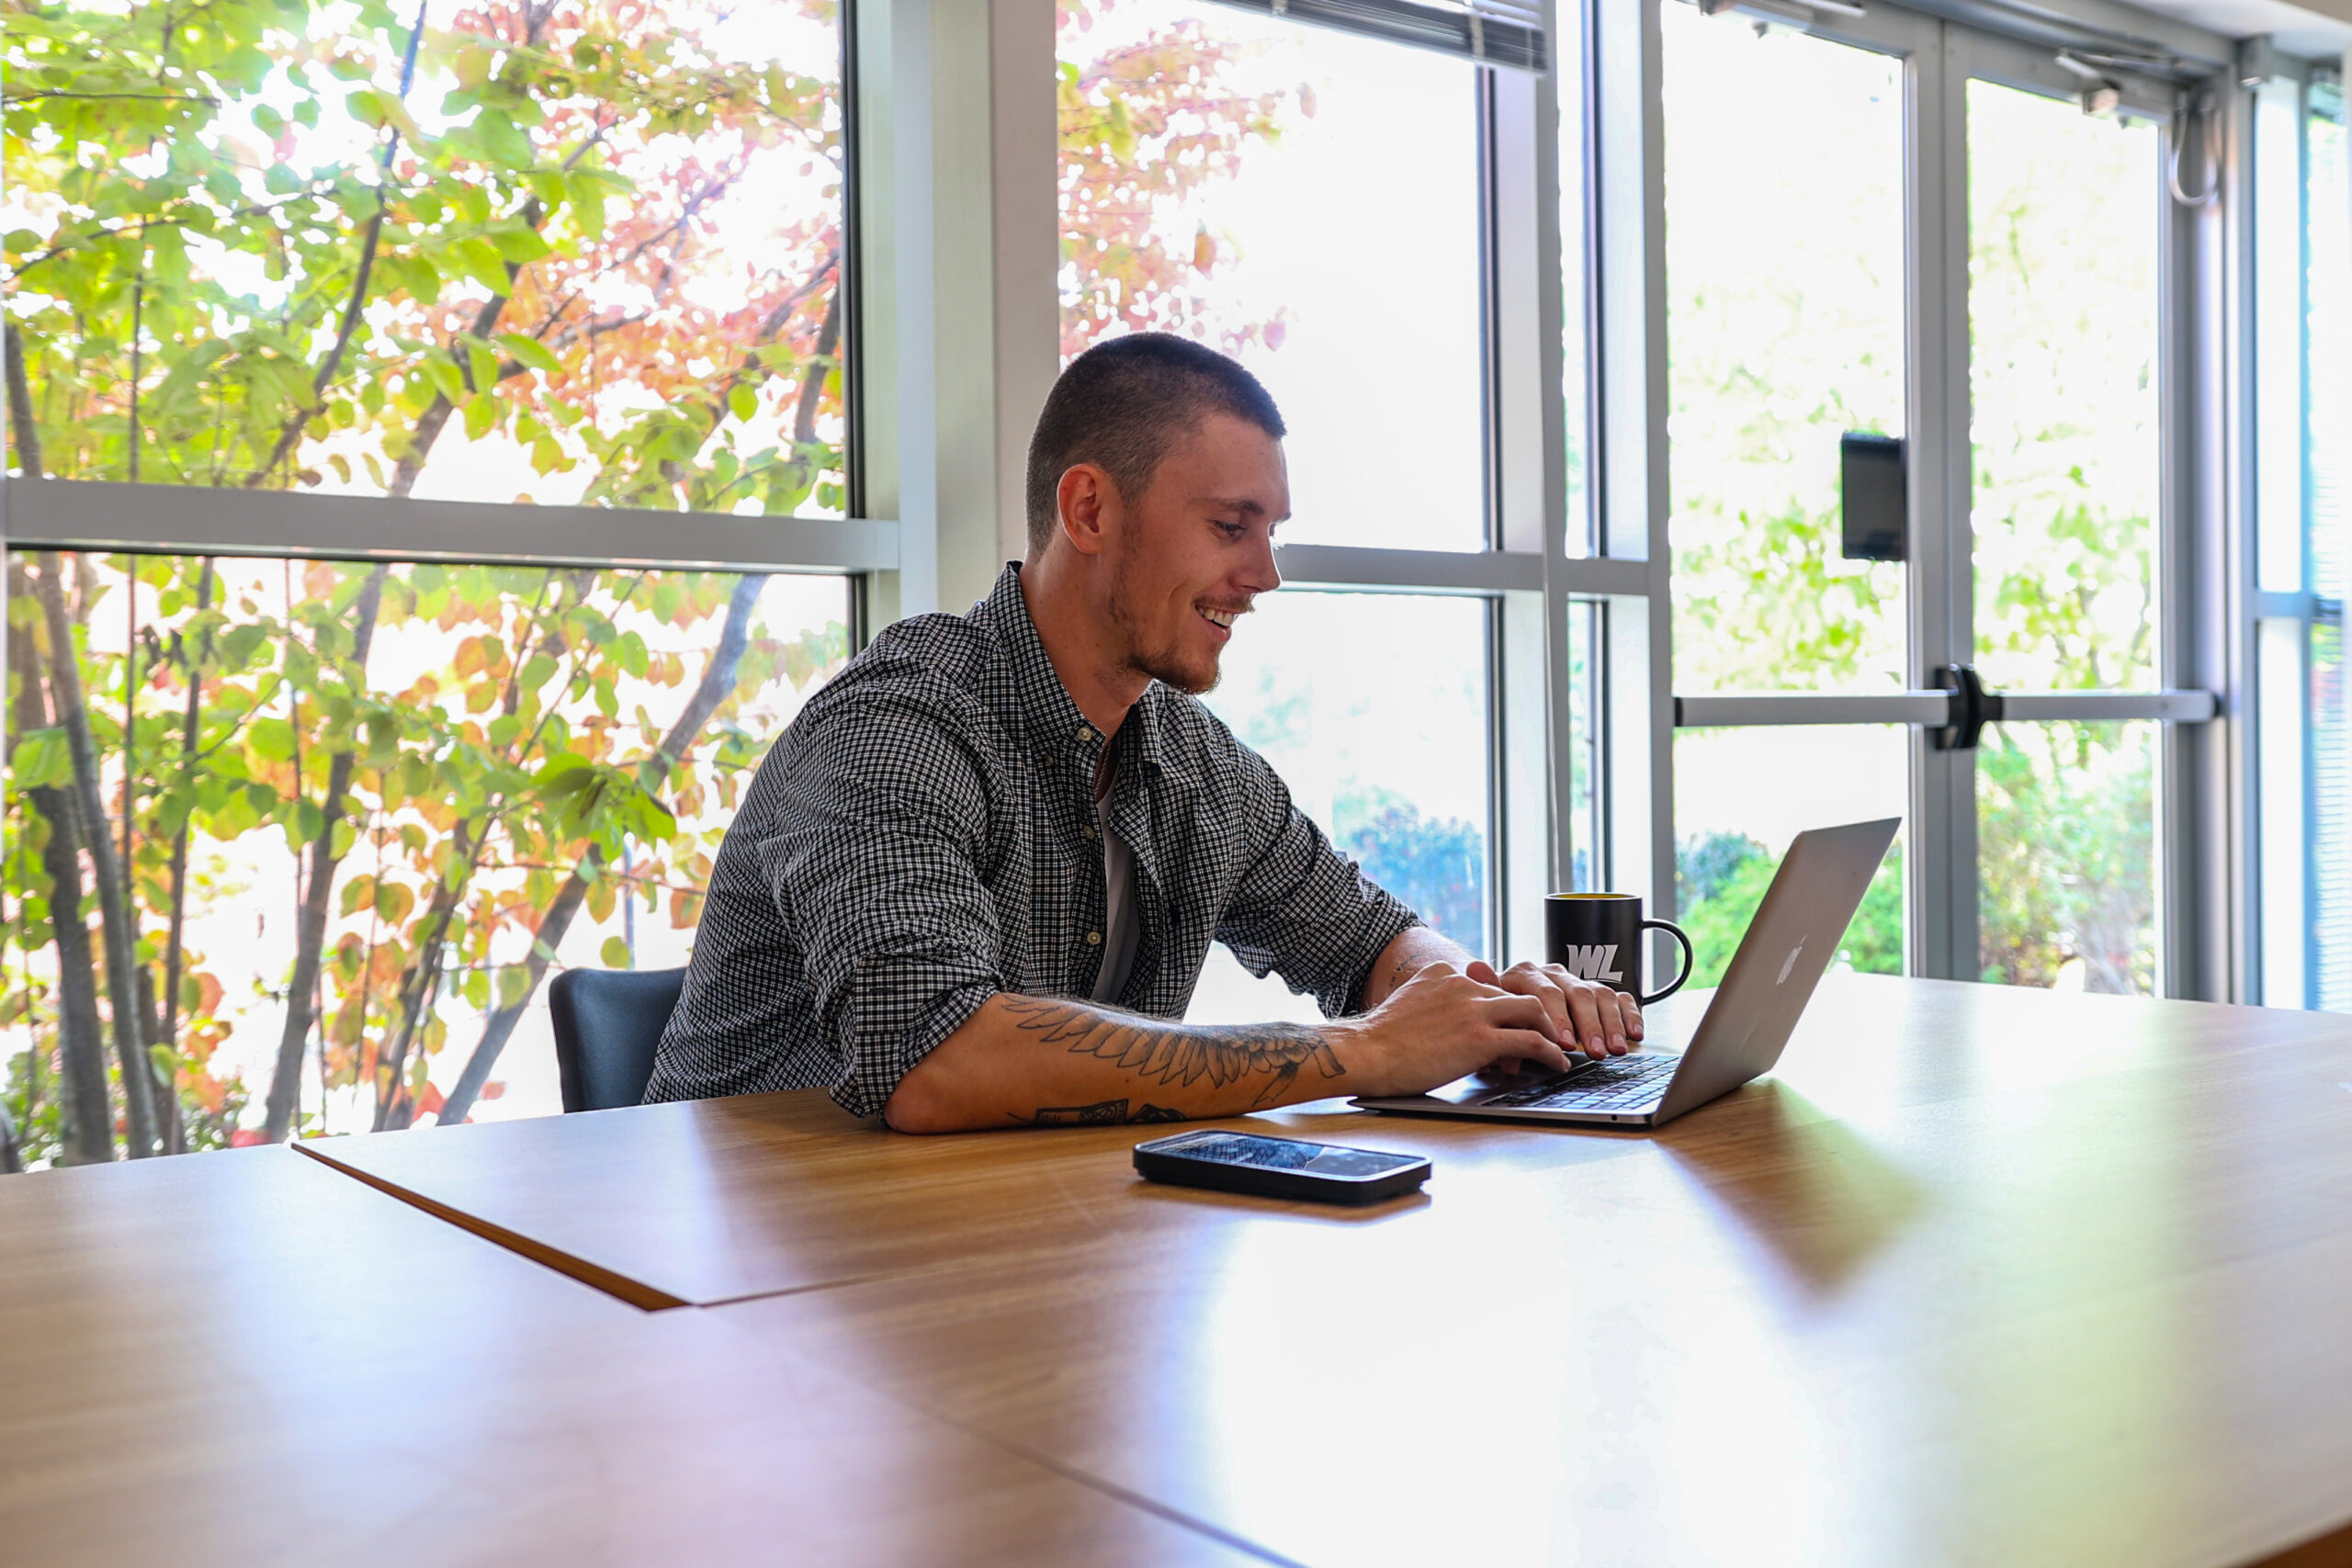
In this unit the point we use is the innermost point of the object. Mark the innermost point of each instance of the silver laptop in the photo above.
(1788, 947)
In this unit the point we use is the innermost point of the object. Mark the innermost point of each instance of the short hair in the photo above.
(1122, 405)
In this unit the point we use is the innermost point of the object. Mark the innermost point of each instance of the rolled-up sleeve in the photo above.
(874, 864)
(1304, 910)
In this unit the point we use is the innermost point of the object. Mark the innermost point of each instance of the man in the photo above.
(973, 884)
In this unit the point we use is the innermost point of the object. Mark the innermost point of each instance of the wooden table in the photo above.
(1981, 1275)
(245, 1358)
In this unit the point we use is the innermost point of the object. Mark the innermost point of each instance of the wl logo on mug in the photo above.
(1584, 932)
(1593, 963)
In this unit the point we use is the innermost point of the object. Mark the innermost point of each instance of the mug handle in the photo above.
(1687, 960)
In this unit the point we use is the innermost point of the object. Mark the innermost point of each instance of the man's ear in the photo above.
(1085, 498)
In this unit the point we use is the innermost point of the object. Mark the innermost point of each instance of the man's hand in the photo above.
(1444, 1022)
(1584, 1013)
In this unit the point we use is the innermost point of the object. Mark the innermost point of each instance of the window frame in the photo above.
(166, 519)
(951, 316)
(2199, 754)
(2279, 942)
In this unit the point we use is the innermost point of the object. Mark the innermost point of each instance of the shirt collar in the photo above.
(1050, 715)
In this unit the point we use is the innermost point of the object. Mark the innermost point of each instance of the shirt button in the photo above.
(1086, 732)
(1088, 832)
(1093, 939)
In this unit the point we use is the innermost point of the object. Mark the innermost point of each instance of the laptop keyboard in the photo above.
(1622, 1084)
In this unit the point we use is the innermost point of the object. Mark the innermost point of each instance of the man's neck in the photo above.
(1084, 649)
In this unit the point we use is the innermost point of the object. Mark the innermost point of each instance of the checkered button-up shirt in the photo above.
(924, 836)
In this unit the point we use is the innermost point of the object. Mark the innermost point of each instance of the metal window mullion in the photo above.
(1498, 888)
(156, 519)
(1551, 351)
(2221, 435)
(1430, 571)
(1625, 158)
(1941, 871)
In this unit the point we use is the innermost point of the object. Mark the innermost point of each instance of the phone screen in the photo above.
(1285, 1154)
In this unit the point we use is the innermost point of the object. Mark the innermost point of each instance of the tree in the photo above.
(1142, 125)
(284, 249)
(1721, 879)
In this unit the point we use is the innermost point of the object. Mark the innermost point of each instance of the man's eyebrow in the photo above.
(1235, 504)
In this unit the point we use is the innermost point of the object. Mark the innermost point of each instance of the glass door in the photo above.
(1786, 329)
(1914, 325)
(2065, 215)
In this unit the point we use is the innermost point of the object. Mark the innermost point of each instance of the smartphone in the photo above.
(1280, 1167)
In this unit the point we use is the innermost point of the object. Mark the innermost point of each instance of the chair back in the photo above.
(608, 1023)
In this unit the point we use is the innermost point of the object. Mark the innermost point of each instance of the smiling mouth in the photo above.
(1221, 619)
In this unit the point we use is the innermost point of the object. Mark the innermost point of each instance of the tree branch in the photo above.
(309, 940)
(717, 680)
(115, 917)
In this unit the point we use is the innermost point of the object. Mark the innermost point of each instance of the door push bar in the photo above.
(1973, 708)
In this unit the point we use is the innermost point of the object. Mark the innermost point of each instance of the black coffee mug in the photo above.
(1597, 936)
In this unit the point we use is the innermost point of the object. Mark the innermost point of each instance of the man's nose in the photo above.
(1259, 574)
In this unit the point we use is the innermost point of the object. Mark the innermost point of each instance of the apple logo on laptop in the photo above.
(1791, 962)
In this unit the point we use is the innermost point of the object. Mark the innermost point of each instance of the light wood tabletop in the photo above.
(1982, 1276)
(1978, 1276)
(247, 1358)
(715, 1200)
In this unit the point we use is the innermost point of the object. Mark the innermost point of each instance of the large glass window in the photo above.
(2063, 211)
(2303, 470)
(2062, 242)
(1784, 278)
(291, 846)
(2327, 417)
(1741, 795)
(2066, 831)
(1307, 201)
(352, 817)
(1374, 708)
(521, 253)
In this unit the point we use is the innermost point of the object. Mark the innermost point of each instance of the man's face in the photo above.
(1195, 547)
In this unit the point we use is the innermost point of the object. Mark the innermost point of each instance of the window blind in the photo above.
(1493, 32)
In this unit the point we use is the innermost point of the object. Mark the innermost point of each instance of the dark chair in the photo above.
(607, 1022)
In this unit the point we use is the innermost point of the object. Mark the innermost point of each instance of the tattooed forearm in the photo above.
(1177, 1053)
(1104, 1113)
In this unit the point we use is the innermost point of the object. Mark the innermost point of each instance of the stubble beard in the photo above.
(1167, 664)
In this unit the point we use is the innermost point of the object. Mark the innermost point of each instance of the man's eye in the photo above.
(1231, 530)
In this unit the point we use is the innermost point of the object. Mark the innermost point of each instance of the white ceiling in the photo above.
(2314, 29)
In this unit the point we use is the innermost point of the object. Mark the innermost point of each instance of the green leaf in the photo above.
(519, 243)
(529, 353)
(515, 985)
(503, 140)
(744, 401)
(42, 760)
(614, 953)
(481, 415)
(442, 371)
(271, 739)
(587, 197)
(482, 263)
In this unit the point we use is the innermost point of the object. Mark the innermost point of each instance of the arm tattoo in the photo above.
(1177, 1053)
(1102, 1113)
